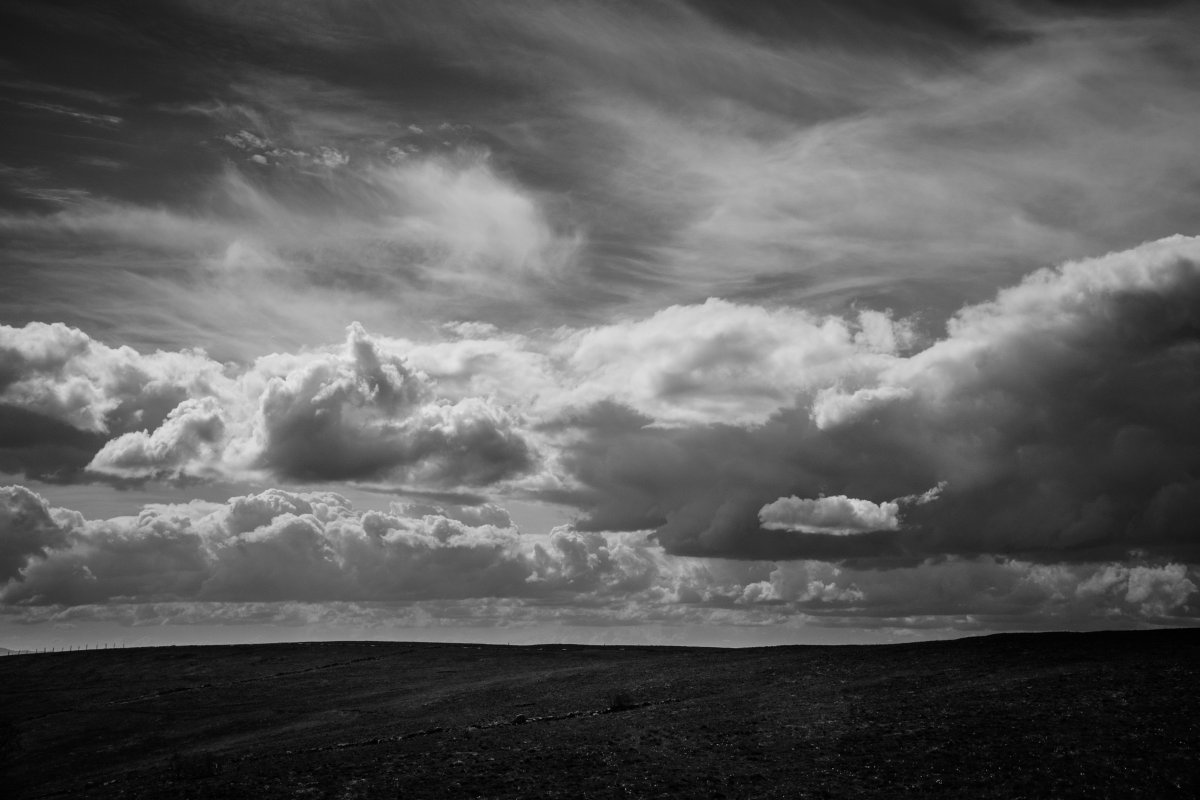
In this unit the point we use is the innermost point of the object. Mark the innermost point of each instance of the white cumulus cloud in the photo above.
(838, 515)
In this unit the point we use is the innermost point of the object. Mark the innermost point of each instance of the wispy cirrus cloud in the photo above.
(931, 181)
(103, 120)
(668, 155)
(271, 253)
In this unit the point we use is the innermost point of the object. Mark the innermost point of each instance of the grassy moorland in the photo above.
(1019, 715)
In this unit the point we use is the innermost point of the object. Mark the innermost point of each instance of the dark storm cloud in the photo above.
(1061, 417)
(26, 530)
(42, 447)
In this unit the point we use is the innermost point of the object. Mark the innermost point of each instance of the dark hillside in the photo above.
(1024, 715)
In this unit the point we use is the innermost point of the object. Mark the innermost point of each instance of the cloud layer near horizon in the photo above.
(285, 548)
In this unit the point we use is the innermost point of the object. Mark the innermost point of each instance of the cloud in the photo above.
(763, 156)
(726, 362)
(381, 407)
(983, 592)
(433, 216)
(986, 158)
(355, 412)
(366, 414)
(65, 375)
(278, 545)
(838, 515)
(540, 166)
(1060, 414)
(27, 529)
(189, 437)
(473, 219)
(44, 448)
(311, 557)
(297, 247)
(102, 120)
(678, 265)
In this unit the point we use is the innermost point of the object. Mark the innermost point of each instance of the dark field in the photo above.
(1022, 715)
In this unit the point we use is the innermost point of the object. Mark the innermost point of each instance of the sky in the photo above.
(658, 322)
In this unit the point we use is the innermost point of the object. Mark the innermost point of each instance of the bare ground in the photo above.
(1010, 716)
